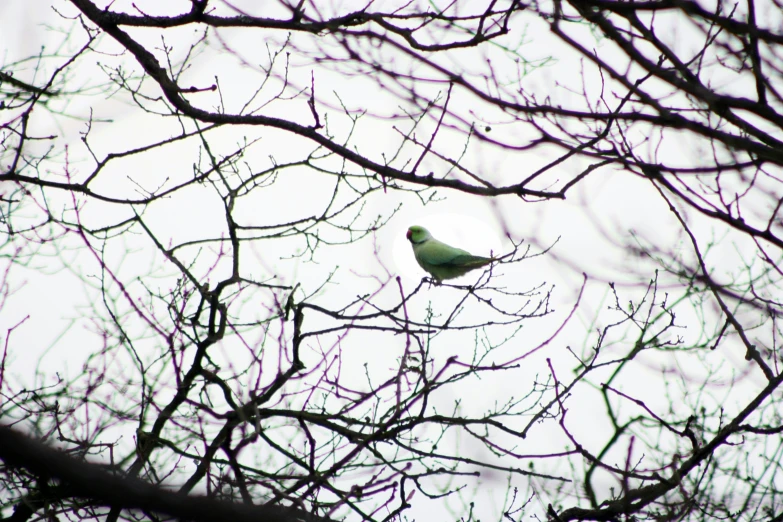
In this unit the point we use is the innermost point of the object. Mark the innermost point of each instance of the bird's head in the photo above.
(417, 234)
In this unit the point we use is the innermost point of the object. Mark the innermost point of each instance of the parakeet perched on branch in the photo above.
(439, 259)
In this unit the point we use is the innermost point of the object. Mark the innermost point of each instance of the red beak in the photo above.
(408, 235)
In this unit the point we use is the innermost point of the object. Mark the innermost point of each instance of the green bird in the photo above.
(441, 260)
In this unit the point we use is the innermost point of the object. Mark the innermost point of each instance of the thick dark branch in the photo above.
(173, 94)
(301, 22)
(93, 481)
(730, 24)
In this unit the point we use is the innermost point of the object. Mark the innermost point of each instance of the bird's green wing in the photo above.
(437, 253)
(470, 260)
